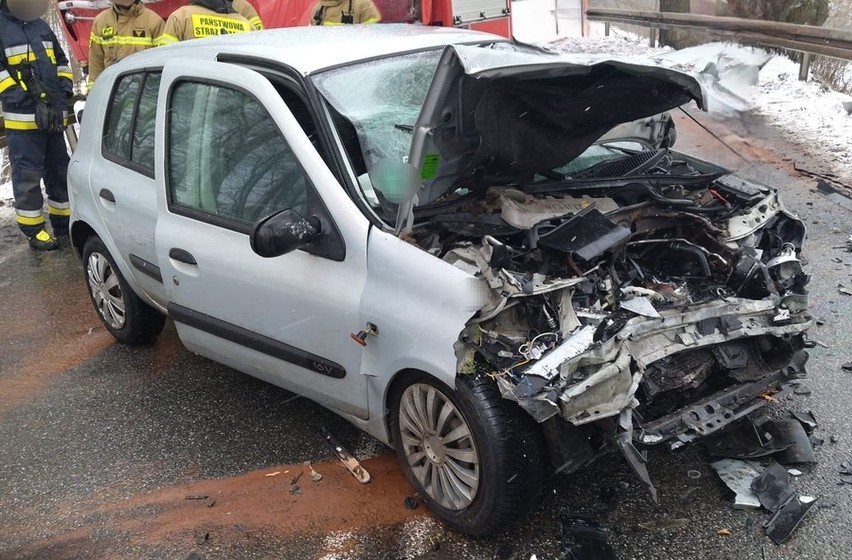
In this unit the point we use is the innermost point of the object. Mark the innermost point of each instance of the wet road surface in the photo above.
(153, 452)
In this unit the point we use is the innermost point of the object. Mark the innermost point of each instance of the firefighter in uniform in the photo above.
(119, 31)
(35, 86)
(245, 9)
(343, 12)
(204, 18)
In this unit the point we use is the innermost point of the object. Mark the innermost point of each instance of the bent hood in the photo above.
(495, 116)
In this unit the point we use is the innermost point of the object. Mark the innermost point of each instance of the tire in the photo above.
(129, 319)
(499, 468)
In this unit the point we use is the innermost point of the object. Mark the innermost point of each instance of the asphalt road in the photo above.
(153, 452)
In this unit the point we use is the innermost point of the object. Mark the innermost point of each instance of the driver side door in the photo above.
(234, 154)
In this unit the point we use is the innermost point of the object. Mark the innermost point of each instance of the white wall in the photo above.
(536, 21)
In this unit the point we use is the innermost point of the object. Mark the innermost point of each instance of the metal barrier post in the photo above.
(805, 67)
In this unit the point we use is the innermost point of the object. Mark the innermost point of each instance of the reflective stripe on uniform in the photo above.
(6, 81)
(165, 39)
(65, 72)
(58, 211)
(122, 40)
(58, 205)
(29, 220)
(332, 23)
(19, 121)
(24, 53)
(28, 213)
(256, 23)
(371, 20)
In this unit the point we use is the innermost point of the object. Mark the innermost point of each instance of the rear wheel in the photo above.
(475, 458)
(129, 319)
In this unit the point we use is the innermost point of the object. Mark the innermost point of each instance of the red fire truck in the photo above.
(483, 15)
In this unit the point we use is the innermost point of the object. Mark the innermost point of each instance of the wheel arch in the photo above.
(80, 232)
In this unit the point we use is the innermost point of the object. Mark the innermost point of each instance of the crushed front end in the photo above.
(632, 310)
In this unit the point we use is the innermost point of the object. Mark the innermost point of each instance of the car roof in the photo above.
(312, 49)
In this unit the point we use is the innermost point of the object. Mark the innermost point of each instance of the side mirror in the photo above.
(282, 233)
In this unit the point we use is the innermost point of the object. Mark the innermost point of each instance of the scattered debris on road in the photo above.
(410, 502)
(738, 476)
(315, 476)
(724, 532)
(348, 460)
(847, 366)
(664, 524)
(585, 539)
(195, 497)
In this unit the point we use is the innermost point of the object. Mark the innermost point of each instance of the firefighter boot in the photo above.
(43, 241)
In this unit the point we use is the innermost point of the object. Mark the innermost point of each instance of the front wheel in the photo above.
(476, 459)
(129, 319)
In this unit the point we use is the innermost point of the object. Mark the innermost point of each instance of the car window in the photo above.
(143, 132)
(128, 137)
(117, 135)
(227, 158)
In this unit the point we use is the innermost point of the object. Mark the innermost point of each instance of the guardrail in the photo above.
(809, 39)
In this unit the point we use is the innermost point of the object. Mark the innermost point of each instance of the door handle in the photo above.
(106, 194)
(183, 256)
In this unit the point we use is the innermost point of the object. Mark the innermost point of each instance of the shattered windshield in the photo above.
(381, 101)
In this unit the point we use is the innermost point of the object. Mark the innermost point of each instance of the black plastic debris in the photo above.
(847, 366)
(807, 419)
(410, 502)
(587, 234)
(773, 487)
(792, 434)
(585, 539)
(743, 441)
(790, 516)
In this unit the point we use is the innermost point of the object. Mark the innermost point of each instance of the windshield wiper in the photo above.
(405, 128)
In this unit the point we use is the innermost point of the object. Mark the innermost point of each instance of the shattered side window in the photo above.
(382, 100)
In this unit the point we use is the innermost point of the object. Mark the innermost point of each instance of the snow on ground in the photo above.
(741, 78)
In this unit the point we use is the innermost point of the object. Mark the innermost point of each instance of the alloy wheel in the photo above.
(439, 446)
(106, 290)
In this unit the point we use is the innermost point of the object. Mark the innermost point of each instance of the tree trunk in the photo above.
(669, 37)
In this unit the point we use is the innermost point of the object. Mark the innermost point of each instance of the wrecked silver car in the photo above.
(488, 257)
(636, 296)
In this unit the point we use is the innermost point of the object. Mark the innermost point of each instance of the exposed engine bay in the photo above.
(653, 295)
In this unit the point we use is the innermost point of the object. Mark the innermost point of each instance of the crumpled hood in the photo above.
(494, 116)
(219, 6)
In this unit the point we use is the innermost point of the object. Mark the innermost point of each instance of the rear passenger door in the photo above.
(235, 154)
(125, 183)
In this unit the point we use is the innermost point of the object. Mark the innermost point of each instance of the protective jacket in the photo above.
(31, 60)
(342, 12)
(204, 18)
(245, 9)
(117, 34)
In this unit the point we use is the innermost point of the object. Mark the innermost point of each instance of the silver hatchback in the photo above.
(487, 256)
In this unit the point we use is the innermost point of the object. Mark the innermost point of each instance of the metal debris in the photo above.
(585, 539)
(664, 524)
(693, 474)
(348, 460)
(738, 476)
(640, 306)
(795, 472)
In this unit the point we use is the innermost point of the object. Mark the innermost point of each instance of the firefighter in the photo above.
(204, 18)
(245, 9)
(342, 12)
(119, 31)
(35, 86)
